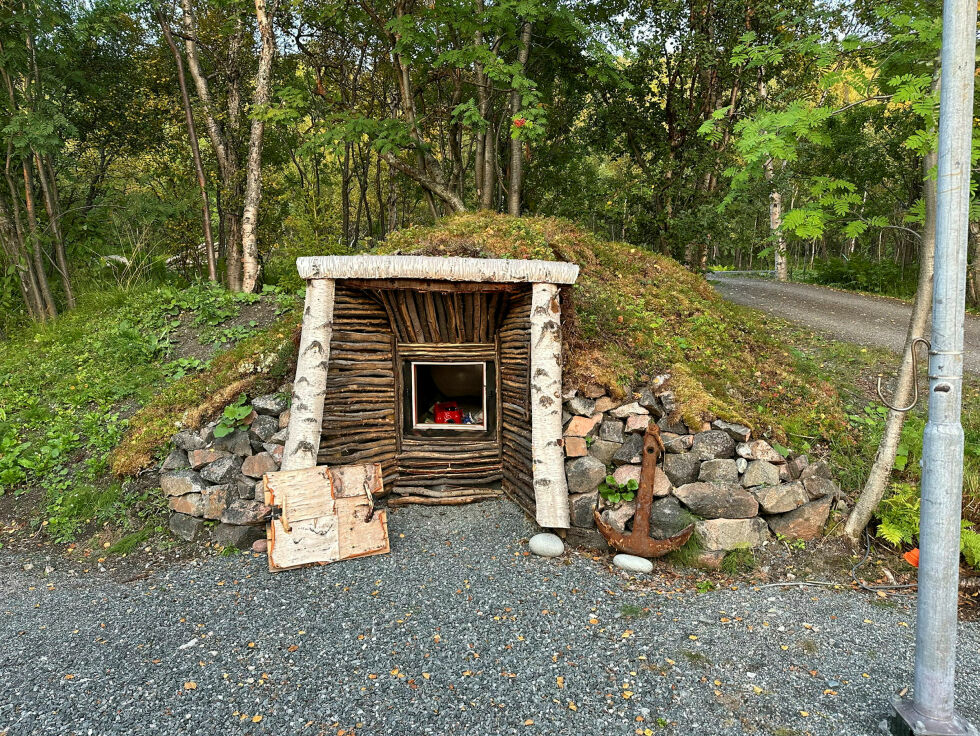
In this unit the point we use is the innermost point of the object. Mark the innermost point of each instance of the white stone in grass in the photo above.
(632, 563)
(546, 545)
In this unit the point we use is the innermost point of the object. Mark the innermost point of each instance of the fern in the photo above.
(970, 545)
(898, 523)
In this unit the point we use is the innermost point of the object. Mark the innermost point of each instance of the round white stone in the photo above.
(546, 545)
(632, 563)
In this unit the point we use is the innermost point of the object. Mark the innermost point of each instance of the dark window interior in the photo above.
(452, 398)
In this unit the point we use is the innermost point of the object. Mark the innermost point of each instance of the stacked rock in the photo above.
(214, 484)
(735, 490)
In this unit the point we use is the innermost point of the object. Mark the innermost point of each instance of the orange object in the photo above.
(912, 557)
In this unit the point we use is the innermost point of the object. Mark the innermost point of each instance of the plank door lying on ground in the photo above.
(327, 515)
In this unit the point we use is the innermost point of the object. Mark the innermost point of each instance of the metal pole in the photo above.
(931, 709)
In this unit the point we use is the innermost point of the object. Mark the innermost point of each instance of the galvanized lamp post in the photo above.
(930, 711)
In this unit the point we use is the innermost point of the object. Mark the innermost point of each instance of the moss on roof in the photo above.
(636, 314)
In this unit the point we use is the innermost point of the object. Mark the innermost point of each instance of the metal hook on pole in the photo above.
(915, 378)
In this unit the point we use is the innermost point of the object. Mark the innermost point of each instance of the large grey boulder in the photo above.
(683, 468)
(181, 482)
(806, 522)
(713, 444)
(818, 487)
(222, 470)
(738, 432)
(581, 506)
(270, 404)
(244, 513)
(237, 443)
(205, 456)
(718, 471)
(603, 450)
(778, 499)
(263, 427)
(676, 443)
(631, 451)
(217, 498)
(612, 430)
(188, 440)
(231, 535)
(580, 406)
(672, 424)
(668, 518)
(649, 401)
(618, 516)
(819, 469)
(626, 410)
(759, 450)
(176, 460)
(191, 504)
(188, 528)
(760, 473)
(584, 474)
(258, 465)
(729, 534)
(713, 501)
(796, 466)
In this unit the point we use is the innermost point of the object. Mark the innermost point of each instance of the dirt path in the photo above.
(865, 320)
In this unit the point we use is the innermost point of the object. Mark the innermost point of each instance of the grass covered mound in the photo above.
(68, 389)
(637, 314)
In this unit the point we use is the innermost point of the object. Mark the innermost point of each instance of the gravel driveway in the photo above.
(457, 631)
(857, 318)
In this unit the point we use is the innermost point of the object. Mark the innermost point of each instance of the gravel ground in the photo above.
(857, 318)
(456, 631)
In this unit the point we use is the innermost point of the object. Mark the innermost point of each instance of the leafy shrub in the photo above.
(233, 416)
(860, 273)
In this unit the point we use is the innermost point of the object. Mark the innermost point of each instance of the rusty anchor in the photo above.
(638, 541)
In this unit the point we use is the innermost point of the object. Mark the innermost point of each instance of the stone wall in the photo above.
(736, 490)
(214, 484)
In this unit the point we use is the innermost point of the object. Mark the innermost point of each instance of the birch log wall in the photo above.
(361, 337)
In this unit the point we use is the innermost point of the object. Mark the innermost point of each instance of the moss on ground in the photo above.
(635, 314)
(256, 365)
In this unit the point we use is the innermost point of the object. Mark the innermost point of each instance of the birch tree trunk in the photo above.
(877, 483)
(195, 148)
(516, 144)
(251, 276)
(310, 386)
(547, 455)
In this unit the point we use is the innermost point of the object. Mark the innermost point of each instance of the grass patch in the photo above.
(635, 314)
(738, 561)
(130, 542)
(697, 658)
(68, 385)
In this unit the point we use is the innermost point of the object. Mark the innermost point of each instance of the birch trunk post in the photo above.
(251, 275)
(877, 483)
(310, 386)
(547, 456)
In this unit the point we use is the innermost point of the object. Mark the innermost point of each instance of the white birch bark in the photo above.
(310, 386)
(253, 177)
(547, 456)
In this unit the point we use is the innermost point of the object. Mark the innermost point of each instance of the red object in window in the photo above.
(448, 412)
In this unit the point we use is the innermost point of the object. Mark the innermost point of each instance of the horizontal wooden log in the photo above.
(426, 501)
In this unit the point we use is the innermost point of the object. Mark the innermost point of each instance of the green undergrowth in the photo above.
(634, 314)
(854, 370)
(69, 386)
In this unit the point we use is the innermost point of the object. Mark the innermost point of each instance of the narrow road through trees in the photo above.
(857, 318)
